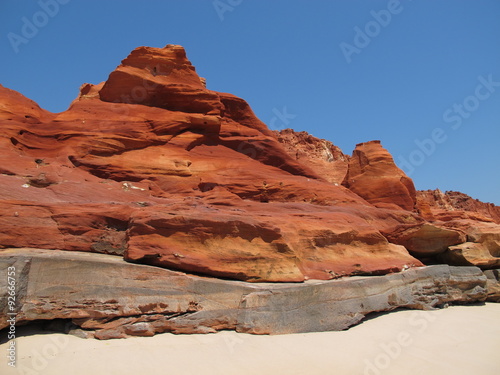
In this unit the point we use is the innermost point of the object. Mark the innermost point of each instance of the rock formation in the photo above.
(326, 159)
(373, 175)
(105, 297)
(436, 205)
(153, 167)
(450, 228)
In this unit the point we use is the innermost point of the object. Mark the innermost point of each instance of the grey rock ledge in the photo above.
(109, 298)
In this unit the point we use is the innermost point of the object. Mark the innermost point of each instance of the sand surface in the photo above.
(456, 340)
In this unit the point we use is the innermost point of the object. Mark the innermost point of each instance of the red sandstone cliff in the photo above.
(153, 166)
(451, 228)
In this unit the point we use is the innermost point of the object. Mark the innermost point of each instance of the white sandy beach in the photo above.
(456, 340)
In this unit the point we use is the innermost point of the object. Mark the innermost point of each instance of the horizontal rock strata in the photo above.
(109, 298)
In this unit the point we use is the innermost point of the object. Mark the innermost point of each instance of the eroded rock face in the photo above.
(107, 297)
(478, 221)
(153, 166)
(162, 78)
(373, 175)
(436, 205)
(482, 248)
(472, 253)
(426, 239)
(276, 242)
(326, 159)
(450, 227)
(493, 285)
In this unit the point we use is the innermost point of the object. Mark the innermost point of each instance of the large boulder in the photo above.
(482, 248)
(472, 254)
(426, 239)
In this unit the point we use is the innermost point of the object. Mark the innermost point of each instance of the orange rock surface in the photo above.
(153, 166)
(373, 175)
(323, 156)
(436, 205)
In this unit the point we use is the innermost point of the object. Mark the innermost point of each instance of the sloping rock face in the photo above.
(436, 205)
(105, 297)
(153, 166)
(450, 227)
(326, 159)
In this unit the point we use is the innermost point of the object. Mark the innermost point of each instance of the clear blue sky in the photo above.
(342, 70)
